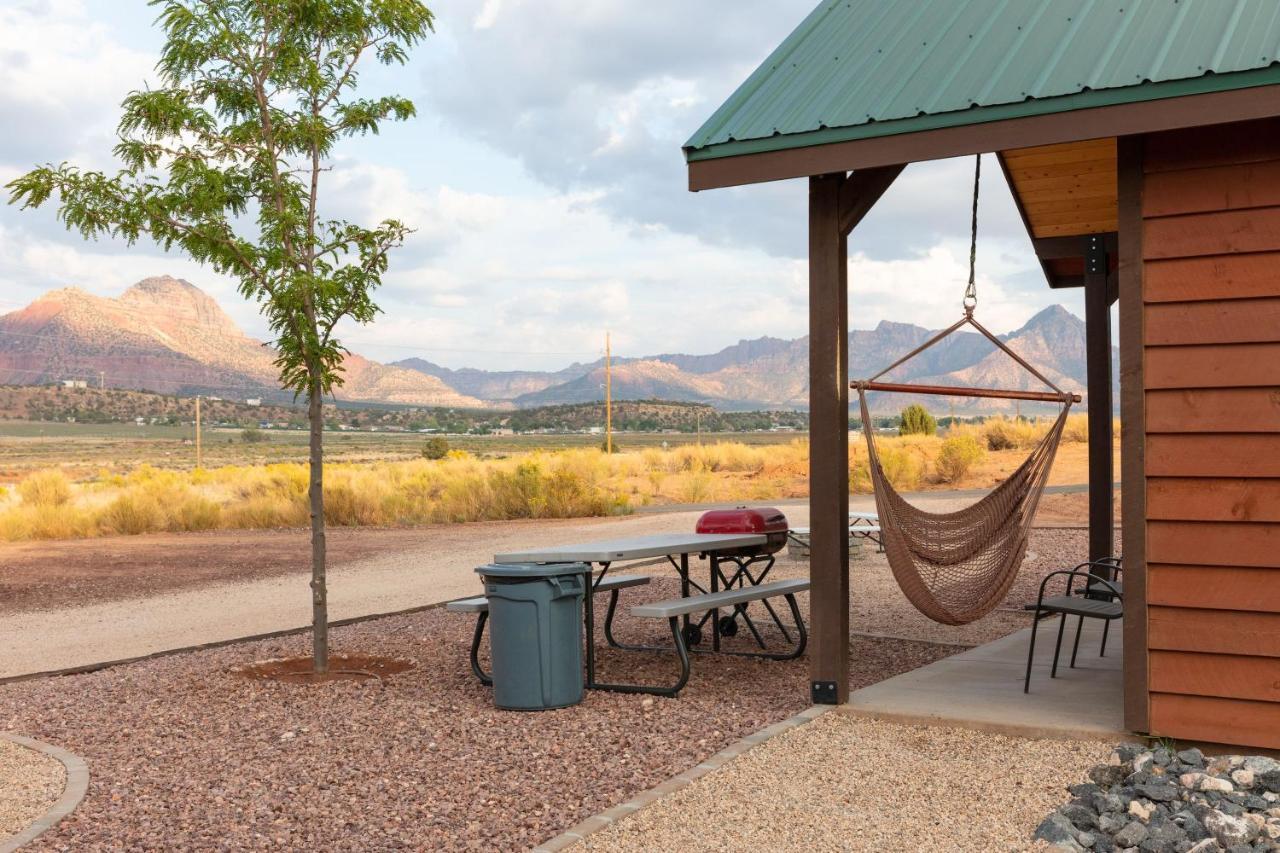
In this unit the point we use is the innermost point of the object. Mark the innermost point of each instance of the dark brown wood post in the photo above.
(828, 442)
(1133, 434)
(1097, 313)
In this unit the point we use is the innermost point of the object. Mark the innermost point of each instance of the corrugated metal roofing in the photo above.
(863, 68)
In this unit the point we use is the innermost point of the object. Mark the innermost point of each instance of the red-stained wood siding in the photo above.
(1211, 365)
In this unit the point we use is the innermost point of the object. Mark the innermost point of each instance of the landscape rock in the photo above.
(1163, 835)
(1192, 757)
(1213, 783)
(1208, 845)
(1166, 801)
(1132, 835)
(1141, 810)
(1229, 830)
(1056, 829)
(1243, 777)
(1261, 764)
(1084, 819)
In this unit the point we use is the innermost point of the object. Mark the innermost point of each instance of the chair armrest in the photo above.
(1071, 575)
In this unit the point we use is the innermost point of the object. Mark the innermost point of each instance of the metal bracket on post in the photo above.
(1095, 255)
(824, 693)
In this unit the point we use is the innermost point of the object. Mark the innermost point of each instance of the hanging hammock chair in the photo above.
(956, 567)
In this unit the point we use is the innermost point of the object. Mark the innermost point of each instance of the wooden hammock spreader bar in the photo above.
(954, 391)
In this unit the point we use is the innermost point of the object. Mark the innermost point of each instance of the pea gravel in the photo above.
(30, 782)
(186, 755)
(849, 783)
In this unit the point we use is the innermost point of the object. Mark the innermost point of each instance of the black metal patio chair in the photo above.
(1099, 596)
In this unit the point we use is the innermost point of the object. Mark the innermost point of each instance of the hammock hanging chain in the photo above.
(971, 292)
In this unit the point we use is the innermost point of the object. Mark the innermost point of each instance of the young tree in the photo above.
(224, 161)
(916, 420)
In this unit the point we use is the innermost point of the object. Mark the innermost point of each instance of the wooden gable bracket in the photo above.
(861, 190)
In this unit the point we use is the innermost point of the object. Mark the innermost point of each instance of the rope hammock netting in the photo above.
(956, 567)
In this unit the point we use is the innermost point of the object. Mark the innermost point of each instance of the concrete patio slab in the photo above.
(981, 688)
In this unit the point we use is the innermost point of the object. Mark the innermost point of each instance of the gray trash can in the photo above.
(535, 633)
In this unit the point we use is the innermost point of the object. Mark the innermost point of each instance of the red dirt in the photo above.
(71, 573)
(186, 756)
(300, 670)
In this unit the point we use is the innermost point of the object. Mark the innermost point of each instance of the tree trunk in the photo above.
(319, 589)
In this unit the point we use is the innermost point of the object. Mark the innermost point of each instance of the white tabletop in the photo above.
(863, 516)
(635, 548)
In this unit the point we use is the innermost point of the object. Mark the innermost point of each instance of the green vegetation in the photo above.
(435, 448)
(959, 453)
(916, 420)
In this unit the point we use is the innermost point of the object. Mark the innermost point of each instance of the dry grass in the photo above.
(559, 484)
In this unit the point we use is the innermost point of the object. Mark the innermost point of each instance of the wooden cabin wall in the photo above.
(1211, 294)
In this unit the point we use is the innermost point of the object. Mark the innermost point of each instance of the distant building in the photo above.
(253, 401)
(74, 383)
(502, 431)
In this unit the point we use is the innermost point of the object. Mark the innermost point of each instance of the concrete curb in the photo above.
(594, 824)
(1022, 730)
(73, 791)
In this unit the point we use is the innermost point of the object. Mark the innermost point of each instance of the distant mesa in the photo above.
(165, 334)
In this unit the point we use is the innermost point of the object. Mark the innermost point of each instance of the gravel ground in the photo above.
(30, 782)
(185, 755)
(848, 783)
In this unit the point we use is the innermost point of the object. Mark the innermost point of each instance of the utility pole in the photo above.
(608, 396)
(698, 418)
(199, 449)
(102, 379)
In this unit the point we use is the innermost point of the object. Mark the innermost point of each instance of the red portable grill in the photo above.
(766, 521)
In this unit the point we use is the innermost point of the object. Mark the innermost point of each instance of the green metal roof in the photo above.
(856, 69)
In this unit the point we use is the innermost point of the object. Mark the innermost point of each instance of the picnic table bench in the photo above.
(741, 589)
(674, 609)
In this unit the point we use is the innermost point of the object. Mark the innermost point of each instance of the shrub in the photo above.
(959, 453)
(253, 435)
(45, 489)
(1077, 429)
(1009, 434)
(902, 468)
(436, 447)
(132, 514)
(916, 420)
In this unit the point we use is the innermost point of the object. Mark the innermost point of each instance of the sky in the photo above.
(545, 181)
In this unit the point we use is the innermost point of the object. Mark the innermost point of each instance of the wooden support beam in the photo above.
(1097, 303)
(1133, 449)
(1062, 248)
(861, 190)
(828, 441)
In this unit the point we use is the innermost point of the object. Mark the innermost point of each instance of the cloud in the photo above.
(601, 96)
(62, 77)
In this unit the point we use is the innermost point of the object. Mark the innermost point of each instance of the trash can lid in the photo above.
(532, 570)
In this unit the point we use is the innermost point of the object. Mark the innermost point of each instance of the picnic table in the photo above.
(862, 524)
(675, 548)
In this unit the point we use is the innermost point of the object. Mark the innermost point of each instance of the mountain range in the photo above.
(165, 334)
